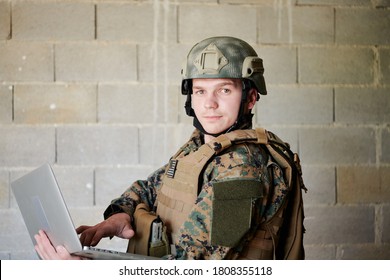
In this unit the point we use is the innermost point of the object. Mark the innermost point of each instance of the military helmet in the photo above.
(224, 57)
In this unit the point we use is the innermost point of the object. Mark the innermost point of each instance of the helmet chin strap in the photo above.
(242, 118)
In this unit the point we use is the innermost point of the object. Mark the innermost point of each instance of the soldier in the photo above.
(220, 193)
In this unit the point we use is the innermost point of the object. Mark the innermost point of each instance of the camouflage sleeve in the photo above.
(144, 191)
(242, 162)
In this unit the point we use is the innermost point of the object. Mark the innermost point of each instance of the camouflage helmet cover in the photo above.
(224, 57)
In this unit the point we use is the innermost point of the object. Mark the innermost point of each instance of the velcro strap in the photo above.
(262, 135)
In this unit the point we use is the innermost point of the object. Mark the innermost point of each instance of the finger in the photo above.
(39, 248)
(85, 237)
(90, 237)
(96, 237)
(64, 254)
(41, 253)
(44, 247)
(81, 229)
(86, 234)
(128, 233)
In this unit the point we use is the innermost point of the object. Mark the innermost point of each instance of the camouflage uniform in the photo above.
(243, 161)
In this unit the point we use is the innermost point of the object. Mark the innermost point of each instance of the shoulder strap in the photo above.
(224, 141)
(290, 241)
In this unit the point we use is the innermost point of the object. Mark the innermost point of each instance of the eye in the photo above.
(224, 91)
(198, 92)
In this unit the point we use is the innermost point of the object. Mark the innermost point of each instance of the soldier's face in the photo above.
(216, 102)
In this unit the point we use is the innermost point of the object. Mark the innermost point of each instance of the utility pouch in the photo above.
(232, 210)
(150, 234)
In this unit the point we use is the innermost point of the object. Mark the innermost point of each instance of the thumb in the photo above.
(128, 233)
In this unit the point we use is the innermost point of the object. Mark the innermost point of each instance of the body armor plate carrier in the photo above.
(281, 237)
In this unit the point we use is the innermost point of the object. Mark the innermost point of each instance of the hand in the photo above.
(116, 225)
(47, 251)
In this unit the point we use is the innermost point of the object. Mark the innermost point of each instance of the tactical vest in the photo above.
(279, 238)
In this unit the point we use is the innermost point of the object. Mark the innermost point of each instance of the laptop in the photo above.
(43, 207)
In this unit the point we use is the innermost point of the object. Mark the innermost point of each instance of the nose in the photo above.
(210, 102)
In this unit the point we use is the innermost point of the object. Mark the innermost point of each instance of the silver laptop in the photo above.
(42, 206)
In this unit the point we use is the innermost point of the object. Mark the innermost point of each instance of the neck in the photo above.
(208, 138)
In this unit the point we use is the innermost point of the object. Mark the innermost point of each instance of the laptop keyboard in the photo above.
(100, 250)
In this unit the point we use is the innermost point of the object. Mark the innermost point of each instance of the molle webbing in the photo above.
(179, 189)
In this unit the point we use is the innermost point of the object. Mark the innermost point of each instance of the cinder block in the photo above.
(53, 21)
(14, 237)
(169, 106)
(161, 63)
(12, 223)
(6, 104)
(5, 20)
(88, 215)
(4, 190)
(320, 252)
(385, 146)
(24, 254)
(296, 105)
(112, 182)
(381, 3)
(321, 184)
(54, 103)
(18, 245)
(137, 104)
(340, 224)
(372, 26)
(362, 105)
(285, 23)
(384, 59)
(335, 2)
(5, 255)
(97, 145)
(159, 143)
(364, 252)
(337, 145)
(23, 62)
(116, 21)
(26, 145)
(280, 64)
(336, 65)
(96, 62)
(77, 185)
(197, 22)
(287, 134)
(127, 103)
(363, 184)
(201, 1)
(385, 234)
(153, 149)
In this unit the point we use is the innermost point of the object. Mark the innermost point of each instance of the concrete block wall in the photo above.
(92, 87)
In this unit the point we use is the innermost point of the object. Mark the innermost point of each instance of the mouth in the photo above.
(212, 118)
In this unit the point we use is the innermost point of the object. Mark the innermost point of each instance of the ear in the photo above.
(252, 98)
